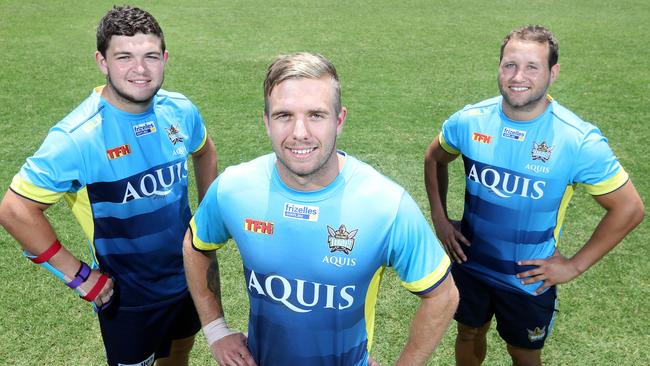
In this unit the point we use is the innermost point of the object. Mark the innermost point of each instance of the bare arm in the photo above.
(624, 211)
(205, 167)
(25, 220)
(430, 323)
(436, 161)
(203, 280)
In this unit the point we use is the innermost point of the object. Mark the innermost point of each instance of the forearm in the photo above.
(202, 273)
(205, 167)
(26, 222)
(430, 324)
(436, 179)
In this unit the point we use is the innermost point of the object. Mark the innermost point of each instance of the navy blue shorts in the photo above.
(138, 336)
(522, 320)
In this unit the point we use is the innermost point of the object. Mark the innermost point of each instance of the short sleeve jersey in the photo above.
(125, 179)
(313, 260)
(519, 179)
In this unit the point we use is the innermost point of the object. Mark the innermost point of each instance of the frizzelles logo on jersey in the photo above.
(536, 334)
(175, 135)
(258, 226)
(118, 152)
(341, 240)
(513, 134)
(144, 129)
(300, 212)
(541, 151)
(481, 137)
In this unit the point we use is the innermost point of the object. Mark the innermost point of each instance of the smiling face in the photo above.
(134, 68)
(303, 125)
(524, 79)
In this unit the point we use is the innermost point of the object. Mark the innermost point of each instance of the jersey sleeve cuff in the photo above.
(32, 192)
(446, 146)
(199, 244)
(608, 185)
(432, 280)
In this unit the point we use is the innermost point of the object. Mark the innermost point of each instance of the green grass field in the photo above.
(405, 66)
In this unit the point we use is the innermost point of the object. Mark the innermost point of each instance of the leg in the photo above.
(179, 353)
(471, 344)
(525, 357)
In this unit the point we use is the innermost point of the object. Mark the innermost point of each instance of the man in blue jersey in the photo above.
(315, 228)
(523, 155)
(120, 161)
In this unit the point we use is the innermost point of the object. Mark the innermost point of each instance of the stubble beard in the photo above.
(129, 98)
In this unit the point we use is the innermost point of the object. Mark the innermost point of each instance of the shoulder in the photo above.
(364, 180)
(248, 175)
(85, 116)
(166, 98)
(480, 108)
(570, 122)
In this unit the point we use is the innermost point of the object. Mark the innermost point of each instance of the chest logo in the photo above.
(341, 240)
(118, 152)
(144, 129)
(481, 137)
(300, 212)
(258, 226)
(513, 134)
(175, 135)
(541, 151)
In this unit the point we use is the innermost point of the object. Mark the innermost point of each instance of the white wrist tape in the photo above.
(216, 329)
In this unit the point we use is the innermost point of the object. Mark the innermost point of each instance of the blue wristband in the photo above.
(82, 275)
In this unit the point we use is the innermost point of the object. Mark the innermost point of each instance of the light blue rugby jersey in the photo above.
(519, 179)
(313, 260)
(125, 179)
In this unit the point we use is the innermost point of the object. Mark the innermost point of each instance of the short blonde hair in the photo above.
(301, 65)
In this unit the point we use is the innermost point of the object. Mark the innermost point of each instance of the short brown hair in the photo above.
(535, 33)
(126, 21)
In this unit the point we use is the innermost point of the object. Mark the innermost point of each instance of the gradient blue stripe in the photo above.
(164, 219)
(504, 220)
(498, 265)
(272, 344)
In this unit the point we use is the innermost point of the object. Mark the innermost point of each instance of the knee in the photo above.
(472, 334)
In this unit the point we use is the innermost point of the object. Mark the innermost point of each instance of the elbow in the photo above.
(454, 297)
(638, 213)
(6, 213)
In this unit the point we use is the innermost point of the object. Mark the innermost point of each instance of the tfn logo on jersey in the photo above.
(144, 129)
(257, 226)
(481, 137)
(118, 152)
